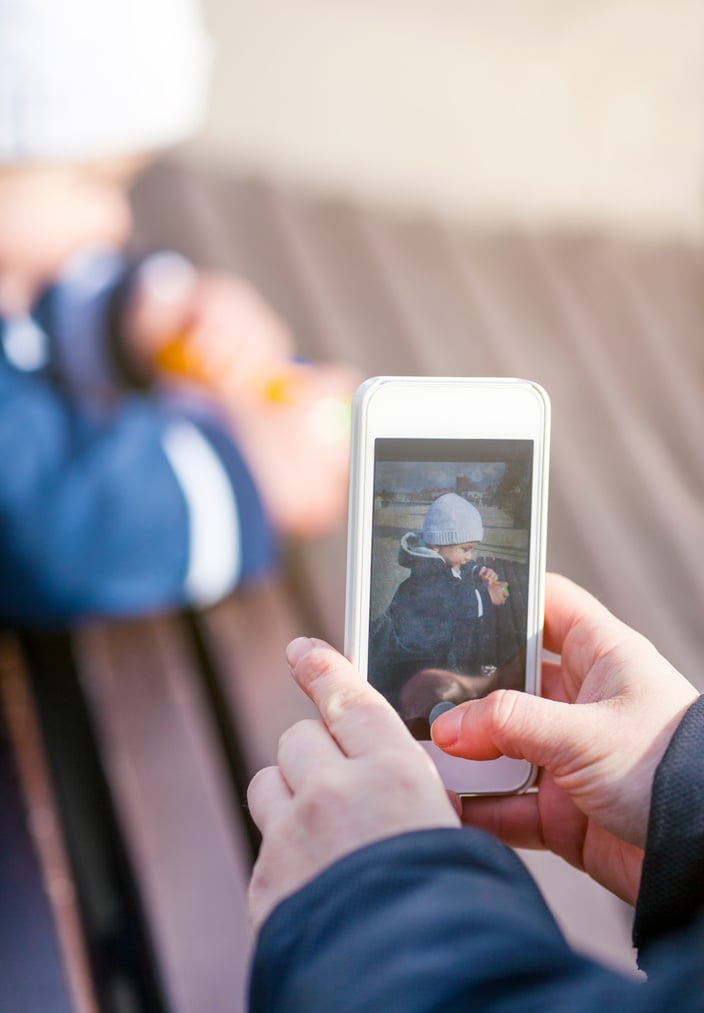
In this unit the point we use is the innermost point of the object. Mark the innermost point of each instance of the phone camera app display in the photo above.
(450, 572)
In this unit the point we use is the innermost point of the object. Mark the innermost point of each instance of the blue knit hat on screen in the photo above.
(451, 520)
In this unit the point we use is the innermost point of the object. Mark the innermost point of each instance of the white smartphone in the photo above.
(446, 551)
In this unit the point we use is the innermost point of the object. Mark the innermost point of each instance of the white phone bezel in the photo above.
(448, 408)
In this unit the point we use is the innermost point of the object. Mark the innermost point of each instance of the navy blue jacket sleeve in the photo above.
(112, 501)
(81, 317)
(445, 920)
(672, 884)
(144, 506)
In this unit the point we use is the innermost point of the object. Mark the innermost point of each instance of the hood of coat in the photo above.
(413, 552)
(420, 559)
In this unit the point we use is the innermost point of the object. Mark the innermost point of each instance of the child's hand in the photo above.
(204, 326)
(498, 590)
(291, 420)
(488, 576)
(295, 439)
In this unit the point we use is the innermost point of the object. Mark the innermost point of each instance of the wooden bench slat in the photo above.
(177, 813)
(247, 635)
(345, 278)
(41, 944)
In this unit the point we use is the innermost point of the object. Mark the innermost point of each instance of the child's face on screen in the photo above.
(456, 555)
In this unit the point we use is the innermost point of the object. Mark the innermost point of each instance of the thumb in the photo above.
(519, 725)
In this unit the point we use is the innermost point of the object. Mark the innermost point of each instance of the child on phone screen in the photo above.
(154, 427)
(441, 617)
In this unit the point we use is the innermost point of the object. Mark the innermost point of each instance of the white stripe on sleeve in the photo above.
(215, 558)
(480, 604)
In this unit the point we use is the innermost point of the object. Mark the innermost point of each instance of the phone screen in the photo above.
(450, 561)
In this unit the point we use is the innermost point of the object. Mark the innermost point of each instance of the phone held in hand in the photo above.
(446, 551)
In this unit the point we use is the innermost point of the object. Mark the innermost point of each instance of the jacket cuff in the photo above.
(73, 313)
(230, 539)
(84, 316)
(441, 913)
(157, 268)
(672, 882)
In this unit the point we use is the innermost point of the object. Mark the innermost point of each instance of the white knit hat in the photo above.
(86, 79)
(451, 520)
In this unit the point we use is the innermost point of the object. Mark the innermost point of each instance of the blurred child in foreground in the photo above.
(122, 488)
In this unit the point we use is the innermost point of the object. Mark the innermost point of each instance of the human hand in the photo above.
(348, 780)
(610, 708)
(205, 326)
(296, 443)
(498, 590)
(291, 419)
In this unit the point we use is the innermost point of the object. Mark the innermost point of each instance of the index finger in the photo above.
(356, 715)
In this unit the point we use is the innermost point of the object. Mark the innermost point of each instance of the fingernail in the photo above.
(298, 649)
(445, 730)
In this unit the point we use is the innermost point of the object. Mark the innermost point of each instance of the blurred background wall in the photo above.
(555, 112)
